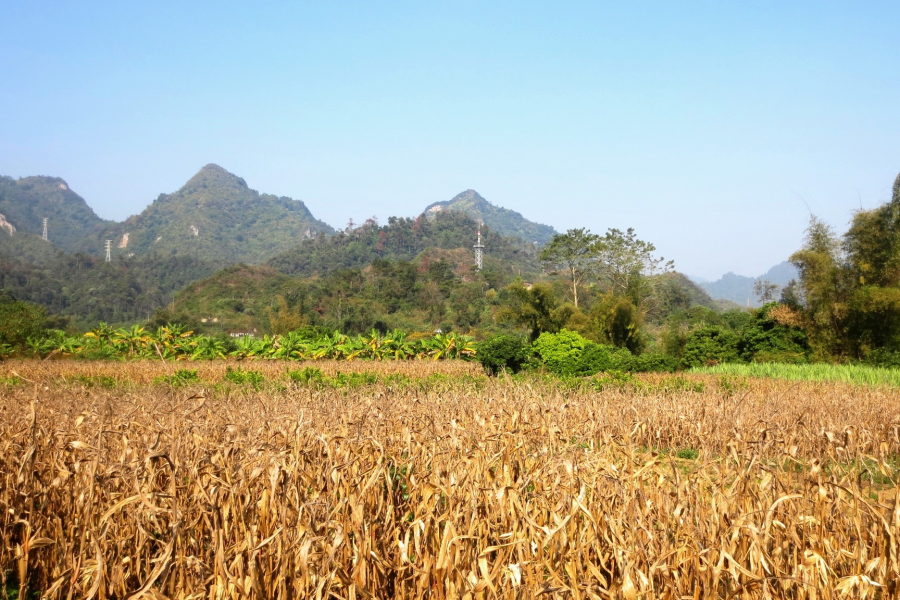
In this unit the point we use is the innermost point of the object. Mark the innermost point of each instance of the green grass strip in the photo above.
(852, 374)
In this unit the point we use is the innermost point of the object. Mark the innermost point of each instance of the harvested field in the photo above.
(441, 483)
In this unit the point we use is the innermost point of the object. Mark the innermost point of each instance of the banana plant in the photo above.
(208, 348)
(395, 347)
(450, 346)
(290, 346)
(135, 341)
(102, 333)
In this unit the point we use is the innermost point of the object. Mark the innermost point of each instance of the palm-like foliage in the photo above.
(173, 342)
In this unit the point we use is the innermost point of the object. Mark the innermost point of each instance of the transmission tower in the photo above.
(44, 235)
(108, 250)
(479, 252)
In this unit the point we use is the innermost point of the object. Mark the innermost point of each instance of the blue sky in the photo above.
(711, 128)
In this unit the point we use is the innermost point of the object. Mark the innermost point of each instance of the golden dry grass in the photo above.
(478, 488)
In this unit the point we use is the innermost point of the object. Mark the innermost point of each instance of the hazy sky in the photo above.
(708, 127)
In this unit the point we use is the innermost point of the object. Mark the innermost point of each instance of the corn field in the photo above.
(115, 483)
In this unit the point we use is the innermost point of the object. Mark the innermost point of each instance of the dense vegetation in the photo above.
(627, 308)
(404, 239)
(84, 290)
(172, 342)
(848, 293)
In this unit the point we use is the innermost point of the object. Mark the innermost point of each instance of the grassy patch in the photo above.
(245, 376)
(102, 381)
(180, 378)
(852, 374)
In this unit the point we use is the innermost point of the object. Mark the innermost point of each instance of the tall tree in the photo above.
(625, 264)
(534, 307)
(575, 253)
(824, 288)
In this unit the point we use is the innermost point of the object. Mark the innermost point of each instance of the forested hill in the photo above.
(217, 218)
(25, 202)
(86, 290)
(502, 220)
(405, 239)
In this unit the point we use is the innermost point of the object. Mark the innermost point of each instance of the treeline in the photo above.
(84, 289)
(848, 294)
(403, 239)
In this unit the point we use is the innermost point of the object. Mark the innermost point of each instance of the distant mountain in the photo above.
(502, 220)
(25, 202)
(739, 288)
(216, 217)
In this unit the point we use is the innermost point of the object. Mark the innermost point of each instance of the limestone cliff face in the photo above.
(6, 225)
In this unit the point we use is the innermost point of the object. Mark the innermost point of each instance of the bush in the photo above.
(307, 376)
(19, 321)
(711, 345)
(180, 378)
(568, 353)
(503, 352)
(884, 358)
(597, 357)
(767, 338)
(562, 352)
(653, 363)
(240, 377)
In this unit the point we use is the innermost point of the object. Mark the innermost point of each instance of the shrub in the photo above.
(307, 375)
(653, 363)
(503, 352)
(180, 378)
(19, 321)
(562, 352)
(240, 377)
(710, 346)
(882, 357)
(597, 357)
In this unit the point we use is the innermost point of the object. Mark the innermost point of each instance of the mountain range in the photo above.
(214, 217)
(215, 221)
(739, 288)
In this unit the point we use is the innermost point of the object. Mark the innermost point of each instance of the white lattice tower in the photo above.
(44, 235)
(108, 250)
(479, 252)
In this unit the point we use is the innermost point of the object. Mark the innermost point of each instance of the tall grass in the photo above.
(474, 488)
(853, 374)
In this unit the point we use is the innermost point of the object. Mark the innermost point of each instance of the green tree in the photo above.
(873, 243)
(711, 345)
(19, 320)
(534, 307)
(575, 254)
(626, 264)
(765, 290)
(825, 287)
(618, 322)
(284, 318)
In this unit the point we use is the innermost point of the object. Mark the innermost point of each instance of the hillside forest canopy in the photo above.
(609, 290)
